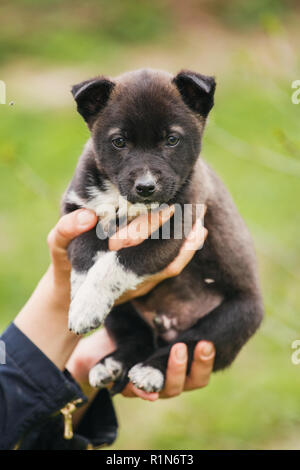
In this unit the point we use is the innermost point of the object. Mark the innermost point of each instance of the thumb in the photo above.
(68, 227)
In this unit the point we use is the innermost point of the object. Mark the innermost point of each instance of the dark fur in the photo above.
(227, 312)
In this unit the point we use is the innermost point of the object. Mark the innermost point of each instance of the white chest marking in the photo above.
(99, 201)
(108, 204)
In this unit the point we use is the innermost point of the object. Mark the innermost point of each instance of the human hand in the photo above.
(192, 243)
(47, 308)
(80, 221)
(176, 379)
(93, 348)
(44, 318)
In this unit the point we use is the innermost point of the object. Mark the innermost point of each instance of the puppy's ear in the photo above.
(197, 91)
(91, 96)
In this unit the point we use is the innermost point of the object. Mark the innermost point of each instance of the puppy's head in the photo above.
(147, 127)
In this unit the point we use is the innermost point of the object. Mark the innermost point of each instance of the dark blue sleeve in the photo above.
(32, 393)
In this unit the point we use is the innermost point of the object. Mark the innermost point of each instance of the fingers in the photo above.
(175, 377)
(176, 371)
(139, 229)
(68, 227)
(192, 243)
(130, 391)
(196, 237)
(176, 380)
(202, 365)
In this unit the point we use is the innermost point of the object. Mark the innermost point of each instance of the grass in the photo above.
(252, 141)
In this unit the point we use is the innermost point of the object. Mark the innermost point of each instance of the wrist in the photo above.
(44, 320)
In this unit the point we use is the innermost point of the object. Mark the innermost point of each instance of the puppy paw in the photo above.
(146, 378)
(105, 372)
(88, 310)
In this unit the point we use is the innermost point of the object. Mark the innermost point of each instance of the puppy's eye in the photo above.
(119, 142)
(172, 140)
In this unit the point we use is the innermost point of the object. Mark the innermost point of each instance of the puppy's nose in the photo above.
(145, 185)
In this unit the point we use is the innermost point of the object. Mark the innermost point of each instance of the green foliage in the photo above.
(241, 13)
(73, 31)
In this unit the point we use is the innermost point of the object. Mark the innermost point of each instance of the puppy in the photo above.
(146, 130)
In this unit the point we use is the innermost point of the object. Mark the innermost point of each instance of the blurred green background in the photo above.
(252, 141)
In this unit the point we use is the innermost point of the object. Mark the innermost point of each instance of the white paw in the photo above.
(88, 309)
(106, 280)
(147, 378)
(104, 373)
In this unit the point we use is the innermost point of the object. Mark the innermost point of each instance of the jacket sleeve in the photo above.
(33, 395)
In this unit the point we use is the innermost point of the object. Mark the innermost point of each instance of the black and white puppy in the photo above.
(146, 130)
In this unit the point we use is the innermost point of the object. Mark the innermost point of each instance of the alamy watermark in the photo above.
(296, 94)
(2, 352)
(2, 92)
(178, 227)
(295, 357)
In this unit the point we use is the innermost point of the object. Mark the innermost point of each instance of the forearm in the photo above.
(44, 320)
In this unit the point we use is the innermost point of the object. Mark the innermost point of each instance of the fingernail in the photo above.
(85, 217)
(180, 352)
(207, 350)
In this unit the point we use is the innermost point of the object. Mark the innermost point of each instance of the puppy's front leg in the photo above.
(95, 292)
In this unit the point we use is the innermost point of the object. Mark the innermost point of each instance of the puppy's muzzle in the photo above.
(145, 185)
